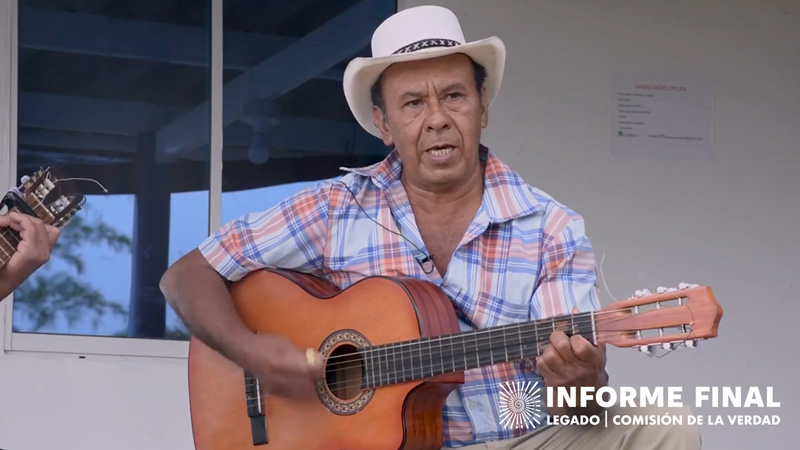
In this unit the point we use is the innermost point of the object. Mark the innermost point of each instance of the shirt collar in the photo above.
(506, 195)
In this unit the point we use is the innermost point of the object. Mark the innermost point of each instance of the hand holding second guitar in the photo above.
(283, 369)
(36, 241)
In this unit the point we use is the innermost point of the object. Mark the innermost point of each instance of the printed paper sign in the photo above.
(662, 116)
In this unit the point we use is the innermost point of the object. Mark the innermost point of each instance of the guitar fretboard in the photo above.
(9, 239)
(413, 360)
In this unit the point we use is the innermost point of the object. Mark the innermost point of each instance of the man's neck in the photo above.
(444, 201)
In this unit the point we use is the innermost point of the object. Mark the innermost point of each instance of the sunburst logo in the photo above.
(520, 404)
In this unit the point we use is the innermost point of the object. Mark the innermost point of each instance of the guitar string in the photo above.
(397, 366)
(6, 235)
(368, 382)
(584, 319)
(406, 373)
(538, 334)
(538, 340)
(399, 374)
(443, 357)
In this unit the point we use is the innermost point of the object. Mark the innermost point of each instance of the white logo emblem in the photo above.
(520, 404)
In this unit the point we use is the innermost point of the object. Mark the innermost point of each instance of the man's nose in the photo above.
(438, 118)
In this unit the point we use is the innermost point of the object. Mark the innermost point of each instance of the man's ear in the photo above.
(380, 122)
(484, 109)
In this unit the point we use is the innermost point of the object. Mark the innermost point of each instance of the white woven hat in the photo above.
(417, 33)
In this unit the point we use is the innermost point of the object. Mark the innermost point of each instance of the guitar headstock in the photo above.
(41, 196)
(669, 318)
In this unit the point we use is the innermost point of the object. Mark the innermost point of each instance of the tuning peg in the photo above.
(649, 350)
(692, 343)
(661, 290)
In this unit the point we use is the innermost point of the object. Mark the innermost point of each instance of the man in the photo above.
(440, 207)
(36, 241)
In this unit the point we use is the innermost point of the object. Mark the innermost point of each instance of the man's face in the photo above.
(434, 119)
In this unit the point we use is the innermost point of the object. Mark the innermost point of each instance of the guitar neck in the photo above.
(412, 360)
(8, 245)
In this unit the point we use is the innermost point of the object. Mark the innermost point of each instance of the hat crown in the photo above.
(417, 29)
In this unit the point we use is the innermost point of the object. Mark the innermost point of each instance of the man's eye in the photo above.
(414, 103)
(454, 95)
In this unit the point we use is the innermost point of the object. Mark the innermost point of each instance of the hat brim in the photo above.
(362, 73)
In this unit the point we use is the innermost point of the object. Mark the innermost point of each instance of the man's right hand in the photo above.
(200, 297)
(281, 367)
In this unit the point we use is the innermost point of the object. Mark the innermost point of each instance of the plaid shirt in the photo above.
(523, 257)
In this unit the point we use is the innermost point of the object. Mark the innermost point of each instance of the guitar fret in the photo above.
(430, 354)
(452, 352)
(7, 247)
(411, 361)
(411, 357)
(491, 349)
(399, 363)
(385, 355)
(477, 351)
(464, 344)
(505, 344)
(421, 362)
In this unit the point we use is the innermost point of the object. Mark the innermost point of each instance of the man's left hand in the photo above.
(37, 240)
(573, 361)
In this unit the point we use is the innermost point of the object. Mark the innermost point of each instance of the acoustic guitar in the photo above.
(392, 352)
(40, 195)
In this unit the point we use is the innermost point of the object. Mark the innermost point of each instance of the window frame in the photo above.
(14, 342)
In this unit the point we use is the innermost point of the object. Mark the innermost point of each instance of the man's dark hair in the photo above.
(480, 79)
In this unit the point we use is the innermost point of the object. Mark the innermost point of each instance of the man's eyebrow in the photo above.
(457, 86)
(411, 94)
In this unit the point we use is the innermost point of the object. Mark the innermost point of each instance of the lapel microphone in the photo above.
(427, 264)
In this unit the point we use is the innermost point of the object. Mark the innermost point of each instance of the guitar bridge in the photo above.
(255, 409)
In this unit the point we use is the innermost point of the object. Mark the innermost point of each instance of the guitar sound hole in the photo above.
(344, 372)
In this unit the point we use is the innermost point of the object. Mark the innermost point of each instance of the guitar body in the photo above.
(310, 312)
(387, 374)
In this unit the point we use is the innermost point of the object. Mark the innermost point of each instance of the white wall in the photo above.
(729, 223)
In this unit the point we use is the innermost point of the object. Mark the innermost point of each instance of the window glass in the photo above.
(116, 92)
(287, 123)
